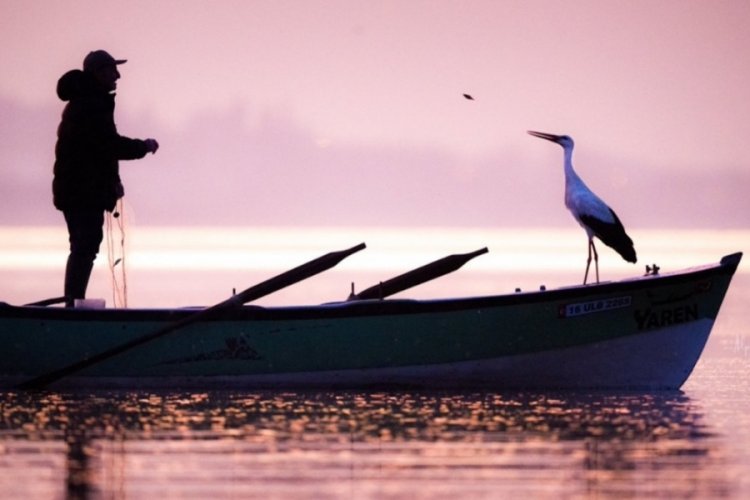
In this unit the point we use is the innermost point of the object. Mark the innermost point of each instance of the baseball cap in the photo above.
(99, 59)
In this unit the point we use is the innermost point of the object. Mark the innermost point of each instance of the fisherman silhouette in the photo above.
(86, 173)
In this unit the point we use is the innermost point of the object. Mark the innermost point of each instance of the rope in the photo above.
(116, 254)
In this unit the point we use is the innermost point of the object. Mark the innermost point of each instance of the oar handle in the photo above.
(417, 276)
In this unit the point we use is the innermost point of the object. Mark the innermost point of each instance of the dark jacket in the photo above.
(89, 147)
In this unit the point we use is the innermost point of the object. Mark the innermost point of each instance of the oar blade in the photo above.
(292, 276)
(417, 276)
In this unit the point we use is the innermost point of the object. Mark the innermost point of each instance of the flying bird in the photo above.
(469, 97)
(594, 216)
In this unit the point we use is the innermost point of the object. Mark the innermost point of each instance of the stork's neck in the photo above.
(568, 155)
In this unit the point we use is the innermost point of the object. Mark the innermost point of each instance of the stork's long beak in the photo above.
(542, 135)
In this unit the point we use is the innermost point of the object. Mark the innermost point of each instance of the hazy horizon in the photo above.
(272, 173)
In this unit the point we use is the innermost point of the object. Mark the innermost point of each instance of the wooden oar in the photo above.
(47, 302)
(417, 276)
(262, 289)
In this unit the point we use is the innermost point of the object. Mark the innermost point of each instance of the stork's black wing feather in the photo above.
(612, 234)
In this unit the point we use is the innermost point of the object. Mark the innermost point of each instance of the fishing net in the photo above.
(115, 225)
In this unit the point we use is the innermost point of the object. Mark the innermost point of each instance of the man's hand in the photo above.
(151, 145)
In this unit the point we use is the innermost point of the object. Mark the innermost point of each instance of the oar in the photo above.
(47, 302)
(254, 292)
(417, 276)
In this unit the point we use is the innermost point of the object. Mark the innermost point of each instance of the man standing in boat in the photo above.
(86, 174)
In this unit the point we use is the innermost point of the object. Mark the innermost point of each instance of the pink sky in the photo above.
(351, 112)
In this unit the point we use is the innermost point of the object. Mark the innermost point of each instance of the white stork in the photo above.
(594, 216)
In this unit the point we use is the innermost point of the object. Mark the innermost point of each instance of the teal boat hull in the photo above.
(642, 333)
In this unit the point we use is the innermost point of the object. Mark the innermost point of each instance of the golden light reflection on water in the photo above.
(358, 445)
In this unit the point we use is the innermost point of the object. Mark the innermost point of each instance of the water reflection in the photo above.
(356, 444)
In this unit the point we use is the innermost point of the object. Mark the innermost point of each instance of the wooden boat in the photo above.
(644, 333)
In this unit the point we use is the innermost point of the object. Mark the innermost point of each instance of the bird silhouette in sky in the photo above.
(594, 216)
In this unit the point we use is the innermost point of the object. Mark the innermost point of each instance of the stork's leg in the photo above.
(588, 263)
(596, 261)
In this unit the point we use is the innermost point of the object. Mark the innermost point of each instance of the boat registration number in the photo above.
(594, 306)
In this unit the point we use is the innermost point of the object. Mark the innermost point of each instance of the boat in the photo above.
(641, 333)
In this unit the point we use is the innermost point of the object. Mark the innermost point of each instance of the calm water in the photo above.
(693, 443)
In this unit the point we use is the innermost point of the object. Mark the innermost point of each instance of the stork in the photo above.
(593, 215)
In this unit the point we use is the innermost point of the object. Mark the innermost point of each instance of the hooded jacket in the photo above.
(86, 173)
